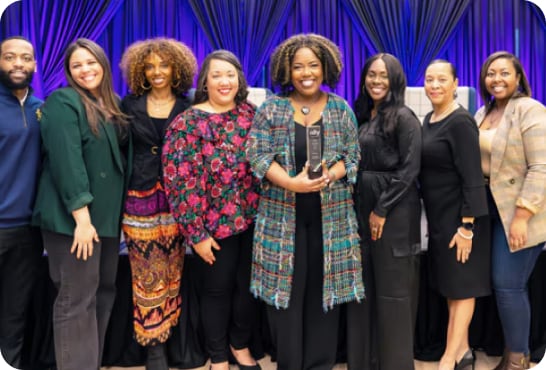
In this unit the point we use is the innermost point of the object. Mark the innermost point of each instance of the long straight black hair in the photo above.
(388, 109)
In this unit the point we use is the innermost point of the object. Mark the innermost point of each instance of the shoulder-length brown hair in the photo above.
(201, 94)
(105, 109)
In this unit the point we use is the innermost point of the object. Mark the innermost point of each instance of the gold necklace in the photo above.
(440, 116)
(158, 105)
(494, 116)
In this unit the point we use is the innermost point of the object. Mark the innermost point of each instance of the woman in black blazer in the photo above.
(159, 73)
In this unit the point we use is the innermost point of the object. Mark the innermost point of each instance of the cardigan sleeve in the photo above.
(62, 141)
(260, 149)
(351, 148)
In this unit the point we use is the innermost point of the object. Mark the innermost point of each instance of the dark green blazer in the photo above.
(79, 168)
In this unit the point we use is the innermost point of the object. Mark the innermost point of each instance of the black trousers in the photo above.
(86, 293)
(228, 310)
(380, 329)
(305, 336)
(20, 253)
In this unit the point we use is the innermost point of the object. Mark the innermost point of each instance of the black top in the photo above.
(451, 165)
(387, 183)
(147, 138)
(398, 154)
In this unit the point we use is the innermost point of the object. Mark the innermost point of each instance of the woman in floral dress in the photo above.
(213, 197)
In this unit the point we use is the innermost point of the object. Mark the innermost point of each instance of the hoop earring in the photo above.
(176, 85)
(205, 89)
(144, 87)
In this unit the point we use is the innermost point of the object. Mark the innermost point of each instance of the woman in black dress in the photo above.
(389, 213)
(453, 191)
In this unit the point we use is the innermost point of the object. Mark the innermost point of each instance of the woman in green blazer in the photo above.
(79, 203)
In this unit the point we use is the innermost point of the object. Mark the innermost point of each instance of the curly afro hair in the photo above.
(327, 52)
(175, 52)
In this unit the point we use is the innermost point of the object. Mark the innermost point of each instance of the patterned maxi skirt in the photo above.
(156, 256)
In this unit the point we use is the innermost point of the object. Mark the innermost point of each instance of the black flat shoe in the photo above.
(469, 359)
(250, 367)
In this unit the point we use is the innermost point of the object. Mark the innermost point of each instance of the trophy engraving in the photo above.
(314, 151)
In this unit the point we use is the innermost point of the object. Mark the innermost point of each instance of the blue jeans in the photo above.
(511, 272)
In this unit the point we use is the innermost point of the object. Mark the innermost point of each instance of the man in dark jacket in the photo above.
(20, 244)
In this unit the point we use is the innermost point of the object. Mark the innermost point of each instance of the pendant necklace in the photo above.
(494, 116)
(306, 109)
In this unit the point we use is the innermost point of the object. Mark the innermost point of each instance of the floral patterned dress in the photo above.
(208, 180)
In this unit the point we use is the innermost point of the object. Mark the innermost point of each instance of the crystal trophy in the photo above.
(314, 151)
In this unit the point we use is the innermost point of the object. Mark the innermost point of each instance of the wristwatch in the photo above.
(468, 226)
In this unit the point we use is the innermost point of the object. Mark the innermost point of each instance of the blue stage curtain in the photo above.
(248, 28)
(410, 29)
(52, 25)
(513, 25)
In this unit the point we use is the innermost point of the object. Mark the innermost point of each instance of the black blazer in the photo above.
(147, 143)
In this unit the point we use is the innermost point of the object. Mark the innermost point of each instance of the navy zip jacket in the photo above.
(19, 157)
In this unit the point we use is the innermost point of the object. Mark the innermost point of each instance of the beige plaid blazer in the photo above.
(518, 165)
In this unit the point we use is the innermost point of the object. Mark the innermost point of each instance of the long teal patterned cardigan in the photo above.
(271, 139)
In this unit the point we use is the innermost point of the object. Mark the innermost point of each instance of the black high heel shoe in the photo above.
(468, 359)
(244, 367)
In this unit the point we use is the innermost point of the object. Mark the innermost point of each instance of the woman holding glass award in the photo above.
(306, 260)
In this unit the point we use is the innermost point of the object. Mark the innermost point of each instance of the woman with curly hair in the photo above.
(159, 73)
(306, 258)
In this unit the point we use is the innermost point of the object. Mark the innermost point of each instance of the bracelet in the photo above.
(467, 237)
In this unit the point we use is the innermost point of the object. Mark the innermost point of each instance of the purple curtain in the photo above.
(410, 29)
(248, 28)
(52, 25)
(515, 26)
(142, 19)
(329, 19)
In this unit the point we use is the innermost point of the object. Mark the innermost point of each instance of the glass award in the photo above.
(314, 151)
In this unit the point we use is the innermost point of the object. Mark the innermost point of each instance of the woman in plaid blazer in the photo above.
(512, 142)
(306, 255)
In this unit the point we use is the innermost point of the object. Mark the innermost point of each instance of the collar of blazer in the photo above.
(500, 140)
